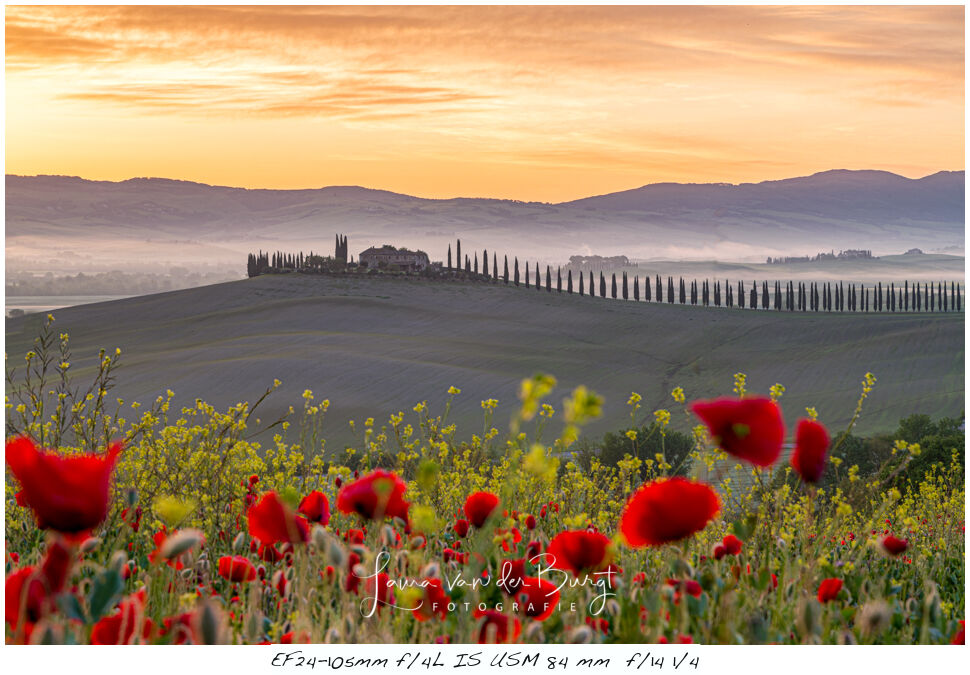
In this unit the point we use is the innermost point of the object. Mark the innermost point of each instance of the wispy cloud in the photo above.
(628, 89)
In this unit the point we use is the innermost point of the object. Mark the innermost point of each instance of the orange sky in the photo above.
(532, 103)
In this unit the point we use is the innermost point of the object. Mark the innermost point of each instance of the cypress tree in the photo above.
(476, 261)
(559, 280)
(683, 292)
(953, 295)
(494, 266)
(926, 297)
(515, 277)
(958, 297)
(485, 262)
(670, 290)
(505, 273)
(602, 285)
(581, 289)
(592, 287)
(548, 279)
(693, 292)
(538, 278)
(717, 293)
(765, 299)
(449, 256)
(646, 288)
(943, 296)
(906, 295)
(636, 288)
(569, 281)
(458, 254)
(741, 294)
(613, 285)
(660, 290)
(527, 275)
(468, 264)
(626, 288)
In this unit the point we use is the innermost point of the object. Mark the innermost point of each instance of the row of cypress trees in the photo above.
(801, 296)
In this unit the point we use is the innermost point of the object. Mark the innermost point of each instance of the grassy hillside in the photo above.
(378, 346)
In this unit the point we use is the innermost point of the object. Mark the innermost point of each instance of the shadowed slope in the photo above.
(378, 346)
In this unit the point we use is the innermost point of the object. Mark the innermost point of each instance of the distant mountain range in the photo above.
(156, 221)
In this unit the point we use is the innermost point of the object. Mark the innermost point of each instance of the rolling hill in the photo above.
(379, 346)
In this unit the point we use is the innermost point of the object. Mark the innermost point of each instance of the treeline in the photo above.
(780, 296)
(113, 283)
(851, 254)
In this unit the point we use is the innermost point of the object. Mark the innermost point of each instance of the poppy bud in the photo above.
(335, 553)
(90, 544)
(239, 542)
(180, 542)
(581, 635)
(211, 624)
(118, 560)
(533, 633)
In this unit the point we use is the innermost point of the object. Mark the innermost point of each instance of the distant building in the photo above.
(914, 251)
(388, 257)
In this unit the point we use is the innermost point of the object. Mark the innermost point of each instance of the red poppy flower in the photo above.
(376, 495)
(750, 428)
(379, 590)
(497, 628)
(719, 551)
(732, 545)
(829, 589)
(353, 581)
(579, 551)
(461, 527)
(689, 586)
(236, 568)
(667, 510)
(180, 628)
(121, 628)
(537, 598)
(272, 521)
(894, 546)
(25, 597)
(960, 637)
(510, 538)
(354, 536)
(511, 575)
(811, 444)
(530, 522)
(479, 506)
(67, 494)
(434, 601)
(315, 507)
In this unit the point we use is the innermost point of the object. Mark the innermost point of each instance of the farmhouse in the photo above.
(388, 257)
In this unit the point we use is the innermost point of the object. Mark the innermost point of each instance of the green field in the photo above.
(378, 346)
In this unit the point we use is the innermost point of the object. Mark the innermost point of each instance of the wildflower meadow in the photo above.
(154, 525)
